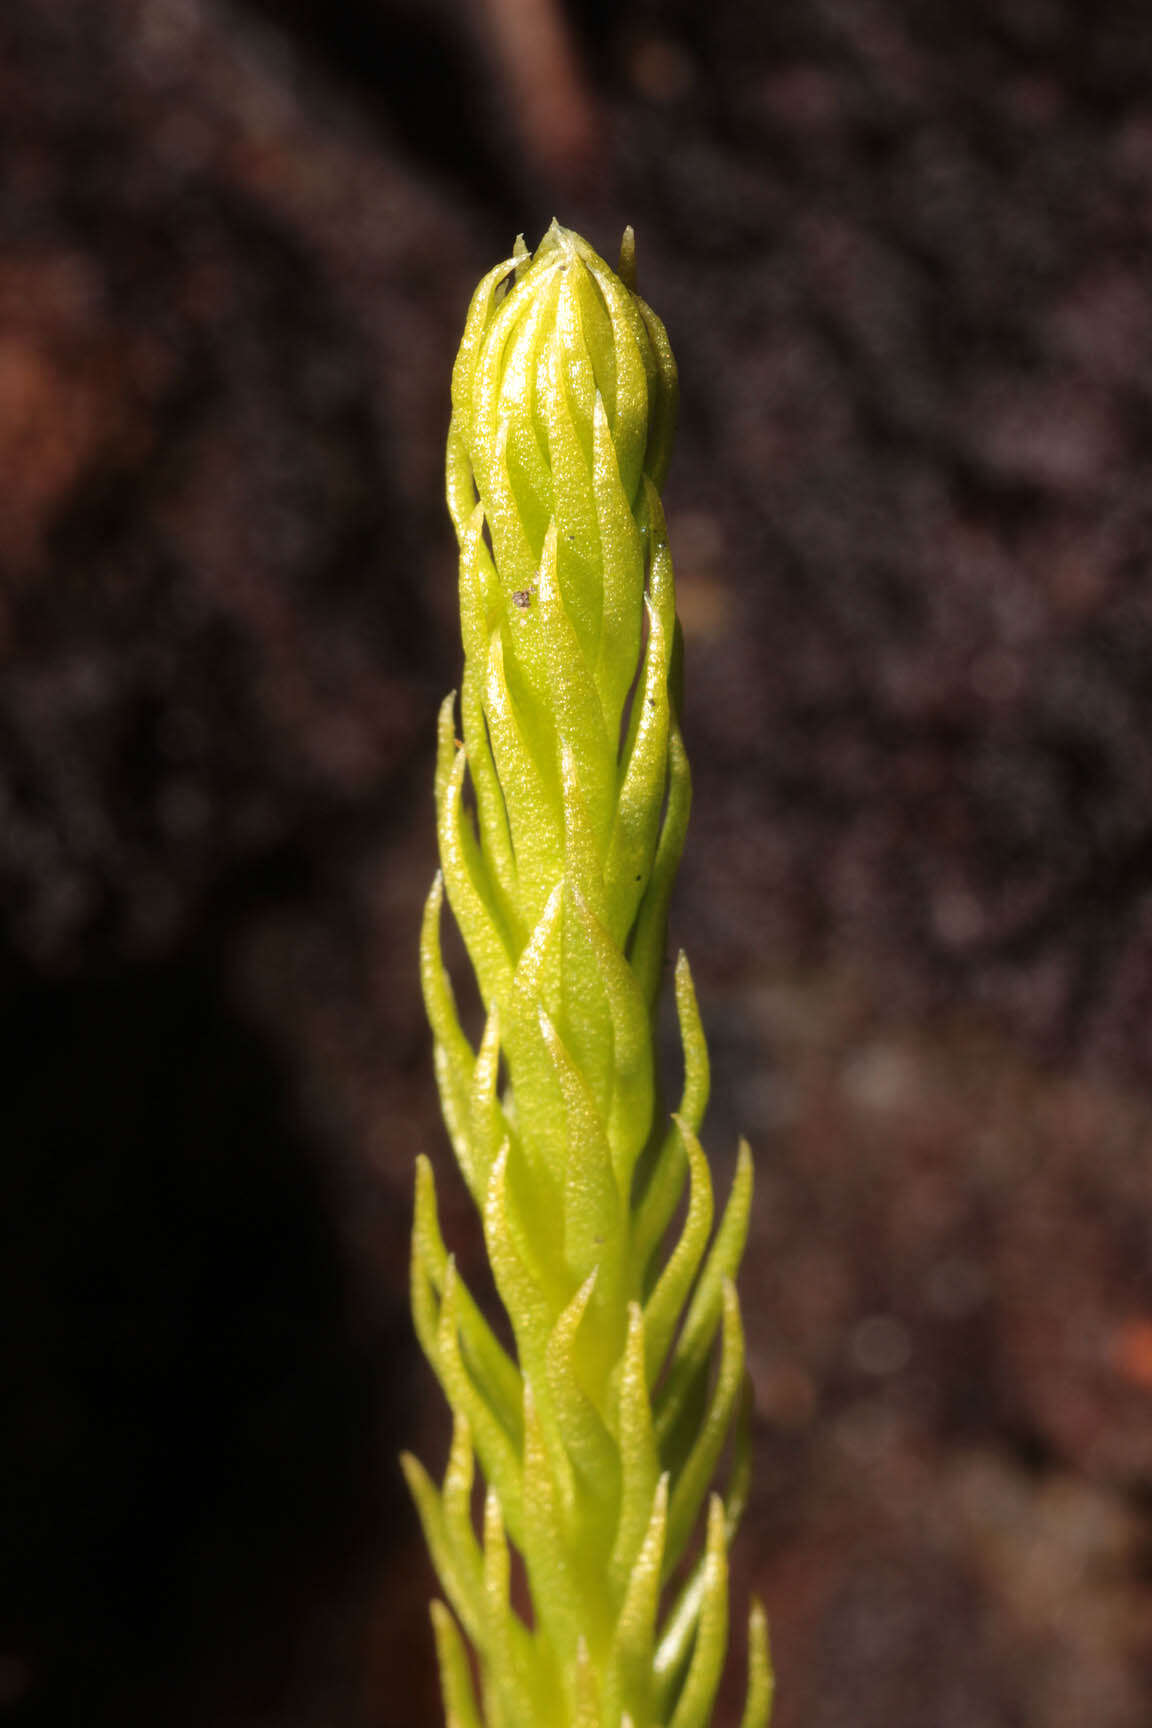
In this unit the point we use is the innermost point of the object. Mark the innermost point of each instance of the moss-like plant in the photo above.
(562, 815)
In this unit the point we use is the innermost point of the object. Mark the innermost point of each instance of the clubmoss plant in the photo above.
(562, 814)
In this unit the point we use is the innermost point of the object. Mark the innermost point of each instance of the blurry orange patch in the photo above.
(704, 601)
(661, 70)
(1132, 1351)
(48, 425)
(67, 397)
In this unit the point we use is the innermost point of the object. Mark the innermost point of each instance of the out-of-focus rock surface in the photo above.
(904, 255)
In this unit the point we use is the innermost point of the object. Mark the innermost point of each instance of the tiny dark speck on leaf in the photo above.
(522, 598)
(639, 873)
(651, 701)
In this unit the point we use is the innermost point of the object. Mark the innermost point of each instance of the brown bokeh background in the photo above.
(904, 251)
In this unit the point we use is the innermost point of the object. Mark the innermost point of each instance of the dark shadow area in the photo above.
(191, 1446)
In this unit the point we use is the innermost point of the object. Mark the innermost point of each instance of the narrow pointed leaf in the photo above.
(664, 1307)
(761, 1683)
(708, 1300)
(496, 1376)
(694, 1705)
(691, 1483)
(633, 1650)
(462, 1585)
(455, 1675)
(640, 1464)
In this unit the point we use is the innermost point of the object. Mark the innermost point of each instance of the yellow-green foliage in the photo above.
(561, 821)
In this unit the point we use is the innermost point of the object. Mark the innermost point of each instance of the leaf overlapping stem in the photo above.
(561, 816)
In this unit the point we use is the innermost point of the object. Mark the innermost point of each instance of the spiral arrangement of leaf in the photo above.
(561, 816)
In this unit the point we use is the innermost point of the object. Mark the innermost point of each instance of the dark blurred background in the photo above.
(904, 251)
